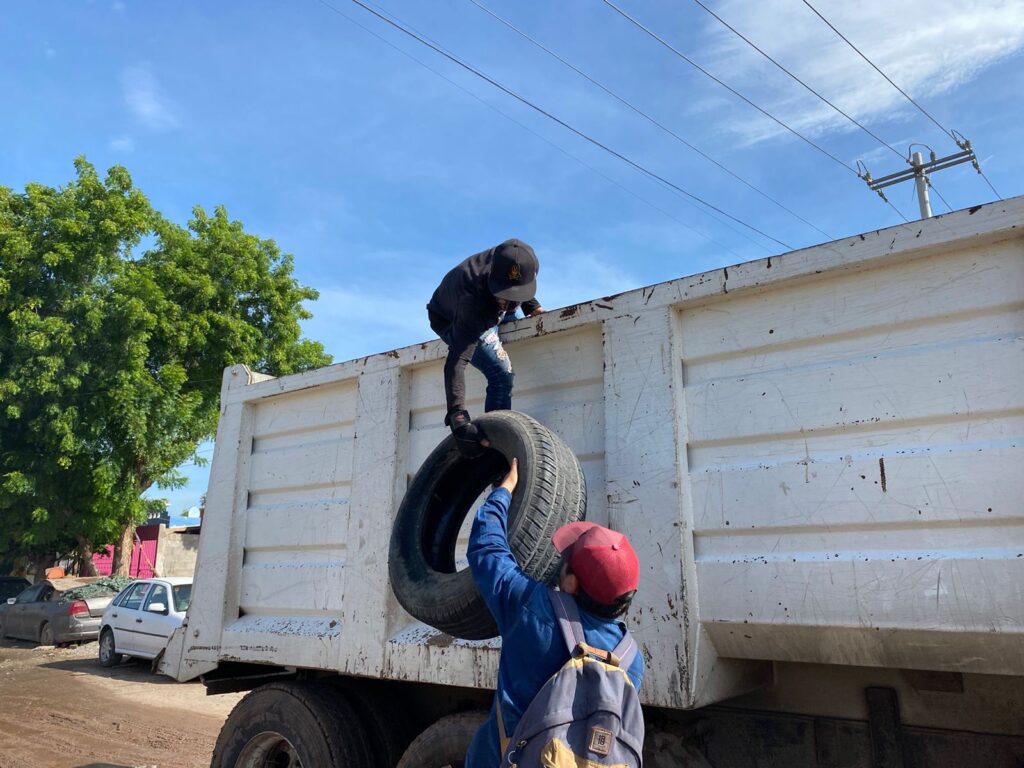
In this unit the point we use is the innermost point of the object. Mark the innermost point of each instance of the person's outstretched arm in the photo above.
(502, 583)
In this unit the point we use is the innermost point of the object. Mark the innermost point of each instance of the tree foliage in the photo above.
(111, 353)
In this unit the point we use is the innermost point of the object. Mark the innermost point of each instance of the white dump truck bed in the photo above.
(817, 456)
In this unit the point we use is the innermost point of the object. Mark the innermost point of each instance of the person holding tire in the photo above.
(471, 302)
(599, 569)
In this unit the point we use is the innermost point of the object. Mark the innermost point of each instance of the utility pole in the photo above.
(921, 181)
(919, 171)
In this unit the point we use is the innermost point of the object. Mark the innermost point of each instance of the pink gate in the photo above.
(144, 551)
(143, 554)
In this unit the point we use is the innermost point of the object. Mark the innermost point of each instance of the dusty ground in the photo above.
(60, 709)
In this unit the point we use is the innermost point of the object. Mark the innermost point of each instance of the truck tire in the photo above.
(551, 492)
(445, 743)
(385, 719)
(286, 725)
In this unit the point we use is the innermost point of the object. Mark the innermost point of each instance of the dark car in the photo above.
(49, 612)
(12, 586)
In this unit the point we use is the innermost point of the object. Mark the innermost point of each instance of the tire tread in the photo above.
(553, 492)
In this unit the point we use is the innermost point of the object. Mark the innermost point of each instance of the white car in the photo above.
(140, 620)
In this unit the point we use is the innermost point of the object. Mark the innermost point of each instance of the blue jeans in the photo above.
(491, 359)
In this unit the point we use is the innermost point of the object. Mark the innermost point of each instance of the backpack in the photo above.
(588, 713)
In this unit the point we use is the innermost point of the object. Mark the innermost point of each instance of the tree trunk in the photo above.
(86, 567)
(41, 563)
(123, 551)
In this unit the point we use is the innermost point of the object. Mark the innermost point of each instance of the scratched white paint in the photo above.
(851, 441)
(736, 424)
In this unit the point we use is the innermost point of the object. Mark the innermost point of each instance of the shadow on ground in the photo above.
(137, 671)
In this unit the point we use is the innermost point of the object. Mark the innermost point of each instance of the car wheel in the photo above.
(109, 657)
(551, 492)
(445, 743)
(290, 725)
(46, 634)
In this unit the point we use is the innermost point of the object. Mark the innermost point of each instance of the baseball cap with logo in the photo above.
(603, 560)
(514, 269)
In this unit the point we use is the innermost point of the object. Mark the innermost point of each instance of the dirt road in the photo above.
(60, 709)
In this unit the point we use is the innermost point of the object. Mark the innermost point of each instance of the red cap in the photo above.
(602, 559)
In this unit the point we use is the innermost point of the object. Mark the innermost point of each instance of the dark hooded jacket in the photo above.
(461, 309)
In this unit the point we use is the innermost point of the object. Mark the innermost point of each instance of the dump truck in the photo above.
(817, 456)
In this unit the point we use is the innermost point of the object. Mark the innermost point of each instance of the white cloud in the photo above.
(122, 144)
(928, 47)
(145, 99)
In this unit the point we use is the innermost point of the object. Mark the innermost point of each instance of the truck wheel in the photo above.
(109, 657)
(289, 725)
(445, 743)
(385, 719)
(551, 492)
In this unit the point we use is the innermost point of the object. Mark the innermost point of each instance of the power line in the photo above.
(742, 37)
(686, 196)
(879, 71)
(978, 168)
(964, 143)
(644, 115)
(401, 27)
(552, 144)
(729, 88)
(959, 140)
(898, 211)
(935, 189)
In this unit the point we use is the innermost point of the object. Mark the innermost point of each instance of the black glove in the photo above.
(468, 436)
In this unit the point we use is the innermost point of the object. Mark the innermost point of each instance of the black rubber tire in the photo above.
(385, 719)
(445, 743)
(314, 719)
(113, 658)
(46, 634)
(551, 492)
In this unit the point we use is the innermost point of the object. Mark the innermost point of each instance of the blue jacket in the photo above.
(532, 648)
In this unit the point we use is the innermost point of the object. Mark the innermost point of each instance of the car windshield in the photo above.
(182, 593)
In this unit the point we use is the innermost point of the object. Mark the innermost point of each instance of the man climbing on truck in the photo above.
(600, 572)
(465, 311)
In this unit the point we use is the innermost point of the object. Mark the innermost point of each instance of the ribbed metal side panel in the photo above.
(300, 479)
(848, 444)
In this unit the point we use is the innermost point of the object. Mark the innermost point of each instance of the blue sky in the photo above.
(379, 175)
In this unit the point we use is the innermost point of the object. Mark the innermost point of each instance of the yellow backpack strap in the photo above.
(503, 738)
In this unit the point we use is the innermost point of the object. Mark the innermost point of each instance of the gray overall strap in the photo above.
(626, 651)
(568, 615)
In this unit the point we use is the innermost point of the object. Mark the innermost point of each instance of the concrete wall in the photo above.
(176, 551)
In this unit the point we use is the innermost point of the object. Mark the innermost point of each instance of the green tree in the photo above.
(111, 360)
(58, 249)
